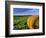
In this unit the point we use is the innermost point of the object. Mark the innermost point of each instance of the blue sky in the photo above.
(25, 11)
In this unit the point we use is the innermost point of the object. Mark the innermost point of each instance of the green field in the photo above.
(20, 22)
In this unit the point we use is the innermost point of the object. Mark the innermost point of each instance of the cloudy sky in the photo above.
(25, 11)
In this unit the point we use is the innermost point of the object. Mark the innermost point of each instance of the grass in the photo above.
(20, 22)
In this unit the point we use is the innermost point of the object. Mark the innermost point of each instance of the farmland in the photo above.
(20, 22)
